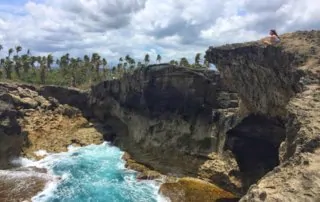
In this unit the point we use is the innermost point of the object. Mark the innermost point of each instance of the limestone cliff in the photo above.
(279, 88)
(32, 122)
(252, 128)
(170, 118)
(187, 122)
(11, 136)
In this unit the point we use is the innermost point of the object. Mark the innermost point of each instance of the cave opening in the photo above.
(113, 129)
(255, 144)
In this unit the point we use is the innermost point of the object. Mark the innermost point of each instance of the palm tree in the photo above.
(146, 59)
(105, 69)
(139, 64)
(8, 64)
(43, 62)
(120, 69)
(1, 65)
(184, 62)
(1, 61)
(17, 65)
(49, 61)
(73, 66)
(197, 59)
(18, 49)
(125, 65)
(86, 59)
(10, 51)
(127, 59)
(25, 63)
(174, 62)
(104, 63)
(95, 60)
(159, 58)
(132, 63)
(114, 69)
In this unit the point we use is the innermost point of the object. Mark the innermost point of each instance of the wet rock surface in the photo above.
(193, 190)
(22, 184)
(31, 122)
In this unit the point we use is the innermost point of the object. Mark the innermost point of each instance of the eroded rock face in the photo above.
(264, 77)
(22, 185)
(32, 122)
(29, 123)
(169, 118)
(192, 189)
(282, 85)
(11, 136)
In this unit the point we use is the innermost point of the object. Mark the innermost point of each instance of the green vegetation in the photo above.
(71, 71)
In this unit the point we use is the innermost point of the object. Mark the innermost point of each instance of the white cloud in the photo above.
(172, 28)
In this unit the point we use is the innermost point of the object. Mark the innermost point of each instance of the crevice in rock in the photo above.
(255, 143)
(114, 129)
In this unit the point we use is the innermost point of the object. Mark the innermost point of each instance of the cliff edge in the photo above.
(279, 84)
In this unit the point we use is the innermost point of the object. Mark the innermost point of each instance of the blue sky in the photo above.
(172, 28)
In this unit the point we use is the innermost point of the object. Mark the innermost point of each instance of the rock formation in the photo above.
(171, 119)
(190, 122)
(252, 128)
(279, 88)
(11, 136)
(31, 122)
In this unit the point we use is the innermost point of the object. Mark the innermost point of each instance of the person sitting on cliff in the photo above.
(273, 38)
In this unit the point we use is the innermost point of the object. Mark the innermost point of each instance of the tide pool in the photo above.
(94, 173)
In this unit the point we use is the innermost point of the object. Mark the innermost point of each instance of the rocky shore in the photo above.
(32, 123)
(251, 129)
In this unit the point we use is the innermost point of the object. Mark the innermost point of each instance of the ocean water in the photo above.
(93, 173)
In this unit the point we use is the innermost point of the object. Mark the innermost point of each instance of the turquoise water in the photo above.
(94, 173)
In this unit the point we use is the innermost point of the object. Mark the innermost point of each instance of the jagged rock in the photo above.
(192, 189)
(144, 172)
(22, 185)
(11, 137)
(67, 110)
(256, 123)
(70, 96)
(163, 116)
(279, 86)
(29, 122)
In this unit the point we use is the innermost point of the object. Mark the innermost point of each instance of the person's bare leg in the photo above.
(268, 42)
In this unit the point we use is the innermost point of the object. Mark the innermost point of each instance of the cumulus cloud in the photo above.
(172, 28)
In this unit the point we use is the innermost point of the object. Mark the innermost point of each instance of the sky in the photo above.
(171, 28)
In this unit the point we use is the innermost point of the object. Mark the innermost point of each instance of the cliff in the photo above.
(280, 84)
(252, 128)
(253, 123)
(170, 118)
(32, 122)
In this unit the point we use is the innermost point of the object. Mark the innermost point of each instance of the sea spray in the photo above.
(92, 173)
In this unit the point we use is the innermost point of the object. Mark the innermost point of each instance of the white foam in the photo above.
(41, 153)
(72, 148)
(51, 159)
(161, 198)
(22, 162)
(23, 174)
(47, 193)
